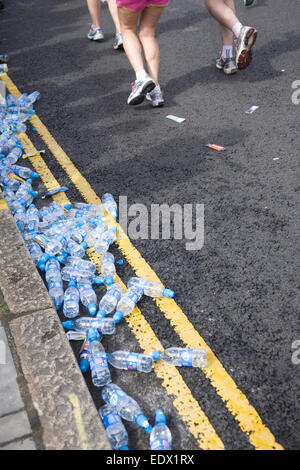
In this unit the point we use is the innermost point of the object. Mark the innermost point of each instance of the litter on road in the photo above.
(219, 148)
(175, 118)
(252, 109)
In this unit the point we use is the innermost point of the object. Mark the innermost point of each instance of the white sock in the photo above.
(141, 74)
(237, 29)
(227, 52)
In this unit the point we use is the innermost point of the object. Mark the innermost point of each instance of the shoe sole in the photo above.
(96, 40)
(244, 57)
(231, 72)
(119, 47)
(140, 98)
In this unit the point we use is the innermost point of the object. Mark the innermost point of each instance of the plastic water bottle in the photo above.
(32, 219)
(150, 288)
(92, 209)
(73, 249)
(57, 211)
(98, 361)
(24, 172)
(110, 300)
(79, 263)
(127, 303)
(56, 293)
(53, 271)
(105, 326)
(84, 363)
(56, 244)
(80, 276)
(33, 97)
(110, 204)
(160, 437)
(10, 183)
(115, 429)
(14, 155)
(108, 269)
(125, 406)
(3, 68)
(35, 252)
(71, 301)
(131, 361)
(88, 297)
(107, 238)
(94, 235)
(20, 218)
(182, 357)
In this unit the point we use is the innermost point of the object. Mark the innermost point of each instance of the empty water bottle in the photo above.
(73, 249)
(182, 357)
(32, 221)
(131, 361)
(56, 293)
(110, 300)
(115, 429)
(71, 301)
(108, 269)
(10, 183)
(88, 297)
(84, 362)
(98, 360)
(80, 275)
(92, 209)
(160, 437)
(125, 406)
(33, 97)
(56, 244)
(20, 218)
(24, 172)
(105, 326)
(107, 238)
(53, 273)
(35, 252)
(150, 288)
(110, 204)
(127, 303)
(79, 263)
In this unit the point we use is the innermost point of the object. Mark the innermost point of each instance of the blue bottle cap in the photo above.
(69, 325)
(109, 280)
(92, 308)
(84, 365)
(57, 304)
(33, 193)
(143, 422)
(101, 314)
(160, 417)
(68, 206)
(33, 174)
(93, 335)
(41, 266)
(123, 448)
(29, 181)
(72, 284)
(120, 262)
(84, 245)
(148, 429)
(156, 355)
(80, 223)
(118, 316)
(99, 280)
(168, 293)
(20, 226)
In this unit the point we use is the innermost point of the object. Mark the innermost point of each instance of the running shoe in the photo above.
(248, 3)
(156, 97)
(227, 65)
(95, 34)
(139, 90)
(118, 44)
(244, 43)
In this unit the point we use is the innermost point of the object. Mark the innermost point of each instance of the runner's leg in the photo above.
(112, 5)
(94, 9)
(128, 21)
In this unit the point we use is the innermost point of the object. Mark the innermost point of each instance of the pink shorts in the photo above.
(136, 5)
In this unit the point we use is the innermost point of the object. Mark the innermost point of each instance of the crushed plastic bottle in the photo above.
(131, 361)
(115, 429)
(125, 406)
(160, 437)
(180, 357)
(98, 360)
(110, 300)
(150, 288)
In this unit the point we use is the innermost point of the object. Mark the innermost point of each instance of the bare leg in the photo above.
(149, 19)
(132, 46)
(222, 13)
(226, 33)
(112, 5)
(94, 9)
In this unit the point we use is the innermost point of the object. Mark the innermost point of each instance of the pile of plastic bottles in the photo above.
(57, 239)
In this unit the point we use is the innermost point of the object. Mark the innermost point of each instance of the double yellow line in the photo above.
(234, 399)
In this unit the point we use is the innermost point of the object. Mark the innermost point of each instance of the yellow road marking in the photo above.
(235, 401)
(79, 423)
(3, 203)
(183, 400)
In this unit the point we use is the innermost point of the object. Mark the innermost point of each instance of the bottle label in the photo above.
(85, 286)
(133, 296)
(99, 362)
(112, 418)
(115, 293)
(42, 240)
(73, 297)
(132, 361)
(55, 285)
(116, 395)
(160, 444)
(187, 357)
(106, 259)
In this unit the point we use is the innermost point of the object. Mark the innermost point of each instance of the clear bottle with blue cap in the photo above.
(127, 303)
(80, 275)
(110, 300)
(56, 293)
(105, 326)
(79, 263)
(126, 407)
(102, 245)
(53, 270)
(181, 357)
(88, 297)
(115, 429)
(71, 301)
(131, 361)
(84, 363)
(24, 172)
(160, 437)
(74, 249)
(32, 222)
(110, 205)
(108, 268)
(20, 218)
(150, 288)
(98, 360)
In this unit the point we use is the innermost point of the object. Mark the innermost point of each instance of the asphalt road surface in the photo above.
(240, 289)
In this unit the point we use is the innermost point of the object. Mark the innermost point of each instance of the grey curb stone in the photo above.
(47, 361)
(20, 283)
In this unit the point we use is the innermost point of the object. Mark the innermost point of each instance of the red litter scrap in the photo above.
(216, 147)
